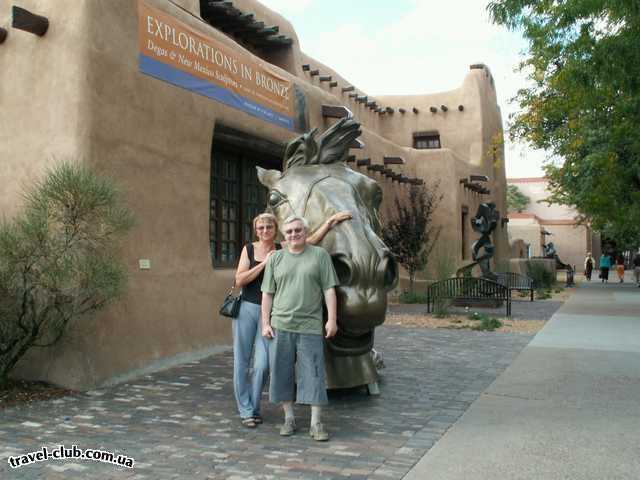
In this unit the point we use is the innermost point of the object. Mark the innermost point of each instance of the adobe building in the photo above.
(179, 101)
(542, 223)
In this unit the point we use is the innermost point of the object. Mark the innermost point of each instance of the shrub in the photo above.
(410, 232)
(543, 294)
(444, 261)
(58, 259)
(542, 277)
(413, 297)
(441, 307)
(486, 323)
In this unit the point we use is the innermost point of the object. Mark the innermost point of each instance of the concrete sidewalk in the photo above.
(567, 408)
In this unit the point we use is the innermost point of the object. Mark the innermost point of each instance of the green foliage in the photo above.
(487, 323)
(58, 259)
(542, 276)
(441, 307)
(503, 265)
(516, 200)
(444, 261)
(413, 297)
(583, 104)
(410, 233)
(543, 294)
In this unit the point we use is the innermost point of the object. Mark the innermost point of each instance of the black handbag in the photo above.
(230, 305)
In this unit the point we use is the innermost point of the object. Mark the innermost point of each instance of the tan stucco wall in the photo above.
(536, 190)
(86, 100)
(571, 240)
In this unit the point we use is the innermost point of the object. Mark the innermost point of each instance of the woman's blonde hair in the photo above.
(265, 217)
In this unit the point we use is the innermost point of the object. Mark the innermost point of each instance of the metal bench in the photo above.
(516, 281)
(468, 289)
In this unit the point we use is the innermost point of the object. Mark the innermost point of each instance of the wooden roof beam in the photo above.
(393, 160)
(336, 111)
(357, 143)
(29, 22)
(478, 178)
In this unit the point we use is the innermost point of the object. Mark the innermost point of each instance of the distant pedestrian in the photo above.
(589, 263)
(604, 265)
(620, 268)
(636, 268)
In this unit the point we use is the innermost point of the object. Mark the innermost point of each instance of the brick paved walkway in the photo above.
(181, 423)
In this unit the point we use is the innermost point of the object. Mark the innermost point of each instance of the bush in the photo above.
(441, 307)
(543, 294)
(542, 277)
(410, 232)
(486, 323)
(58, 259)
(413, 297)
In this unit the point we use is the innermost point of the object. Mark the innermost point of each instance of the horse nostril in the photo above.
(390, 272)
(343, 267)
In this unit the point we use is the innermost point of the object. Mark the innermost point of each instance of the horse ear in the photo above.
(268, 177)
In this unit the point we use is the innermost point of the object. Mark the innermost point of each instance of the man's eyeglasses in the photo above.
(264, 227)
(293, 230)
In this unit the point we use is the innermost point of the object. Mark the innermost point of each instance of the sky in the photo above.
(406, 47)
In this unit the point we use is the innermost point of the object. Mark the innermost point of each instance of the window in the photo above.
(426, 140)
(236, 197)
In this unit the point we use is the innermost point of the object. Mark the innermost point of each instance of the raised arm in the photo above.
(333, 220)
(246, 275)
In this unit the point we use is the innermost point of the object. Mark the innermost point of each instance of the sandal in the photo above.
(257, 419)
(249, 422)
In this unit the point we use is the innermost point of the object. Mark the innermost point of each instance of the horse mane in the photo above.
(331, 147)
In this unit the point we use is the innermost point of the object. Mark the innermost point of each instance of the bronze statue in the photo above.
(485, 222)
(315, 184)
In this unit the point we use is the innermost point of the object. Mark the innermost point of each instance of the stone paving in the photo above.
(182, 422)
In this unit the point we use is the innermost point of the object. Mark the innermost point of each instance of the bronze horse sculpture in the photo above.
(315, 184)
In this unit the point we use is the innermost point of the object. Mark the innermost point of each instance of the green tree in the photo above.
(516, 200)
(410, 233)
(583, 103)
(58, 259)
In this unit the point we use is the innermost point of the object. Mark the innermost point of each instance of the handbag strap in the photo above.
(232, 288)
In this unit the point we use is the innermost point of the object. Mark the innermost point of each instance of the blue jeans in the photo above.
(247, 339)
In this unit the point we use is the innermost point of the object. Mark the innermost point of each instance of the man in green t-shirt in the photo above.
(296, 279)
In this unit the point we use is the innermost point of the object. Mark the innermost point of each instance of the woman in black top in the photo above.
(247, 334)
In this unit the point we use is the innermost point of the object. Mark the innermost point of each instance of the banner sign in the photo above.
(172, 51)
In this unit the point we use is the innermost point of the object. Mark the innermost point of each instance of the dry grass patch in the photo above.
(462, 322)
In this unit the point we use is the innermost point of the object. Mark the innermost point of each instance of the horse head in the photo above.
(316, 184)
